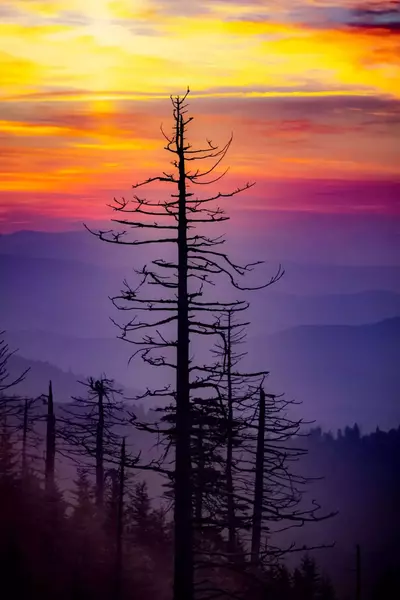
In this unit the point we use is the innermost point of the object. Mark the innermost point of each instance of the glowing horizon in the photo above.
(311, 90)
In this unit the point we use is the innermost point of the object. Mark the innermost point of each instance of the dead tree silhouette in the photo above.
(259, 492)
(50, 442)
(19, 412)
(183, 304)
(91, 427)
(6, 381)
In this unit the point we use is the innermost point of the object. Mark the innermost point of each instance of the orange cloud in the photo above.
(82, 82)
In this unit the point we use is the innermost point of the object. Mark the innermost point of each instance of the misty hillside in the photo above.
(338, 279)
(90, 355)
(71, 297)
(336, 352)
(338, 372)
(65, 383)
(60, 295)
(304, 275)
(312, 329)
(69, 245)
(287, 236)
(274, 311)
(341, 374)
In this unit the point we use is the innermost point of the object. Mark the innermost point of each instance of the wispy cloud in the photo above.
(381, 17)
(309, 87)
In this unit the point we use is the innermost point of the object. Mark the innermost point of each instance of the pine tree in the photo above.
(139, 511)
(306, 579)
(83, 497)
(325, 591)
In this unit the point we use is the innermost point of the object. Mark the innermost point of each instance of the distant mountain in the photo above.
(274, 311)
(72, 298)
(342, 374)
(322, 279)
(36, 382)
(54, 303)
(56, 295)
(91, 356)
(67, 245)
(303, 277)
(298, 236)
(77, 246)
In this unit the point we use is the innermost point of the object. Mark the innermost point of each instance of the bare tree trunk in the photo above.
(229, 450)
(183, 525)
(200, 475)
(259, 481)
(100, 447)
(50, 442)
(120, 522)
(197, 261)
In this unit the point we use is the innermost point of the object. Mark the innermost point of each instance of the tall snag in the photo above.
(50, 442)
(91, 430)
(273, 450)
(6, 381)
(182, 310)
(119, 530)
(258, 446)
(99, 389)
(258, 482)
(236, 389)
(16, 411)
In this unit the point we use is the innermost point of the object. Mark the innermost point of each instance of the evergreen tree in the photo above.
(83, 497)
(306, 579)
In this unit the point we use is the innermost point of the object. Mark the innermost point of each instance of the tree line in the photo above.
(103, 537)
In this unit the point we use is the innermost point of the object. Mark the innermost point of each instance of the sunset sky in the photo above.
(309, 88)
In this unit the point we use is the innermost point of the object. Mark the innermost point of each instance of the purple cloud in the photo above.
(373, 16)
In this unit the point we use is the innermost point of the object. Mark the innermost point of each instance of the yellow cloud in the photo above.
(29, 129)
(339, 57)
(97, 50)
(132, 9)
(106, 53)
(17, 75)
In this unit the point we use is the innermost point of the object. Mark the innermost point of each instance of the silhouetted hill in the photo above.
(274, 311)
